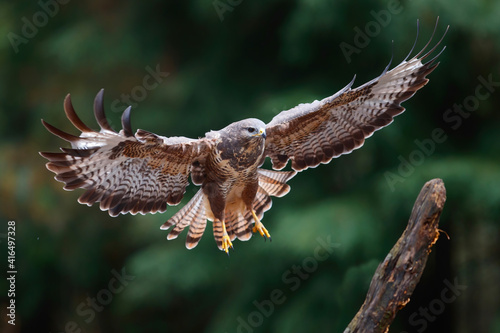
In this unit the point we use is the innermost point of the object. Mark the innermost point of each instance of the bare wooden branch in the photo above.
(397, 276)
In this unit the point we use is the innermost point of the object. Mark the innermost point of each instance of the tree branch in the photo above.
(396, 277)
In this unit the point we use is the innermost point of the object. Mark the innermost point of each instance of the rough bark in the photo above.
(397, 276)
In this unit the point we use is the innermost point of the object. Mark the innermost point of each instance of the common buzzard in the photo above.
(145, 172)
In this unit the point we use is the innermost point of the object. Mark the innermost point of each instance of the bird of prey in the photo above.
(145, 172)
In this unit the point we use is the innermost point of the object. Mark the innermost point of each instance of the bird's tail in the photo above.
(193, 214)
(271, 183)
(238, 223)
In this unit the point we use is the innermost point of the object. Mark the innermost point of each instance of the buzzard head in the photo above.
(247, 131)
(243, 140)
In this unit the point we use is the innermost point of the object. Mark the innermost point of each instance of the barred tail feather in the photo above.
(238, 223)
(274, 182)
(271, 183)
(193, 214)
(217, 226)
(242, 227)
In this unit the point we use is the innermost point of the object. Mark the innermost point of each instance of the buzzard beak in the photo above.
(262, 133)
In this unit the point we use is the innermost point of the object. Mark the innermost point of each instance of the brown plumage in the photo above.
(145, 172)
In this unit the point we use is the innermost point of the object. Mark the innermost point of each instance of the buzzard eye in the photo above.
(252, 130)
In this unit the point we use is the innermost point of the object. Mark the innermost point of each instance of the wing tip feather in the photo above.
(99, 112)
(72, 116)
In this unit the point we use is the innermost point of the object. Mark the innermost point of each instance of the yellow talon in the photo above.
(226, 243)
(260, 227)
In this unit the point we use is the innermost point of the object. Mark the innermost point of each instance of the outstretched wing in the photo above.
(314, 133)
(138, 173)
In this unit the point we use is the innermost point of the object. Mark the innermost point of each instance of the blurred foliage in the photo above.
(252, 60)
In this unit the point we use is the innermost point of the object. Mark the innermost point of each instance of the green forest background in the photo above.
(228, 60)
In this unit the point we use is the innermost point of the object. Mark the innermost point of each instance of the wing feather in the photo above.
(124, 172)
(314, 133)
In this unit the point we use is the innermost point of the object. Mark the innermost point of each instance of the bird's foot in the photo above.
(226, 243)
(259, 227)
